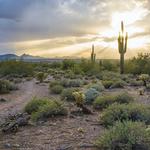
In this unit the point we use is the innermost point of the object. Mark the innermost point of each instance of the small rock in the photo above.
(16, 145)
(7, 145)
(2, 100)
(81, 130)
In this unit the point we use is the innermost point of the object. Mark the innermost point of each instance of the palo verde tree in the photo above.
(122, 46)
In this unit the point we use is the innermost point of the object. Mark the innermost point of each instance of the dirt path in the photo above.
(65, 133)
(55, 134)
(18, 99)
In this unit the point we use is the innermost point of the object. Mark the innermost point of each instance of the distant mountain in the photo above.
(30, 57)
(27, 58)
(8, 57)
(22, 57)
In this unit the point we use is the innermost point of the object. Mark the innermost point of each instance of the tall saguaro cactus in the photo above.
(93, 55)
(122, 46)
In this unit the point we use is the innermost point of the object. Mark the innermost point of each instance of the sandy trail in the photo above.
(18, 99)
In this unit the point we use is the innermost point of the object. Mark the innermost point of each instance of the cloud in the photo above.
(47, 25)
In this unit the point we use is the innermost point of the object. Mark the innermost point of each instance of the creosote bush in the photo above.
(97, 86)
(67, 94)
(102, 102)
(107, 83)
(122, 112)
(134, 82)
(6, 86)
(125, 136)
(118, 84)
(75, 83)
(41, 109)
(57, 89)
(40, 76)
(54, 83)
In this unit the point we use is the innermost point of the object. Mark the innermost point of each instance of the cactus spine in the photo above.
(93, 55)
(122, 46)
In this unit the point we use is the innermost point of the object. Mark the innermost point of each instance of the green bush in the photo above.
(57, 89)
(118, 84)
(148, 86)
(139, 64)
(65, 82)
(40, 76)
(108, 75)
(6, 86)
(90, 95)
(98, 87)
(125, 136)
(54, 83)
(35, 104)
(102, 102)
(67, 94)
(134, 82)
(16, 68)
(122, 112)
(75, 83)
(107, 83)
(124, 98)
(44, 108)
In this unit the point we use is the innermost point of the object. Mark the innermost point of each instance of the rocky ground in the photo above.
(65, 133)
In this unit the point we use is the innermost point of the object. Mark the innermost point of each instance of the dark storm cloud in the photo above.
(13, 9)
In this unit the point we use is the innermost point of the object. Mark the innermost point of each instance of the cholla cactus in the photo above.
(93, 55)
(144, 78)
(122, 46)
(79, 98)
(40, 76)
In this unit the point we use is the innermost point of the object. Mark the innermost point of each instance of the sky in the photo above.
(68, 28)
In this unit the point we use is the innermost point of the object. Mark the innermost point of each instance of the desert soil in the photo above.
(63, 133)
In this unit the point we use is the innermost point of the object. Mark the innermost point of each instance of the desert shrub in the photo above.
(57, 89)
(107, 83)
(44, 108)
(65, 82)
(125, 136)
(68, 64)
(98, 87)
(108, 75)
(118, 84)
(139, 64)
(40, 76)
(145, 78)
(148, 87)
(35, 104)
(16, 68)
(134, 82)
(54, 83)
(124, 97)
(51, 109)
(90, 95)
(69, 74)
(75, 83)
(122, 112)
(67, 94)
(109, 65)
(102, 102)
(6, 86)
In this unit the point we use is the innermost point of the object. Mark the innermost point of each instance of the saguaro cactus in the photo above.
(93, 55)
(122, 46)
